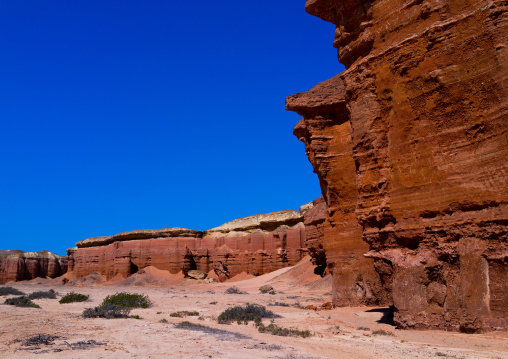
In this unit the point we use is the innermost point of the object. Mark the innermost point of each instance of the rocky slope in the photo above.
(17, 265)
(256, 245)
(424, 99)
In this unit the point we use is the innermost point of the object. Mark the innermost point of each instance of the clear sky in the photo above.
(119, 114)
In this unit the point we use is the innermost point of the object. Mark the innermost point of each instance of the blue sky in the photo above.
(119, 115)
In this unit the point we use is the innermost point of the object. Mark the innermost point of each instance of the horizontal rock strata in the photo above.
(334, 235)
(17, 265)
(425, 88)
(256, 245)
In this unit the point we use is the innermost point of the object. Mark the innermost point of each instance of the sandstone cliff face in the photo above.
(326, 131)
(425, 88)
(18, 265)
(255, 244)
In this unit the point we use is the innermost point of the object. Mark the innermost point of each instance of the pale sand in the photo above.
(336, 331)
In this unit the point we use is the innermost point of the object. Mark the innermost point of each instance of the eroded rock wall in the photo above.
(325, 130)
(18, 265)
(255, 244)
(426, 90)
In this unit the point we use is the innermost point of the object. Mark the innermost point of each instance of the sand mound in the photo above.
(321, 284)
(91, 279)
(298, 277)
(241, 276)
(39, 280)
(63, 279)
(151, 276)
(212, 274)
(117, 278)
(300, 274)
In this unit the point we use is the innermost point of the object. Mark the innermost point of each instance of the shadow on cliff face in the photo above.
(387, 317)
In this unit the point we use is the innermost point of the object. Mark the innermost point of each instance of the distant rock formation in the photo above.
(413, 136)
(255, 244)
(17, 265)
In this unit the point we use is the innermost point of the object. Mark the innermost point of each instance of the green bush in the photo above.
(108, 311)
(184, 313)
(23, 301)
(128, 300)
(274, 329)
(251, 312)
(50, 294)
(73, 297)
(10, 291)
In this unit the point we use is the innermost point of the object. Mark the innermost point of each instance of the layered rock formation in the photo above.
(337, 241)
(17, 265)
(426, 98)
(256, 244)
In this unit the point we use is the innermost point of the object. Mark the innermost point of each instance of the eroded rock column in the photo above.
(426, 88)
(326, 131)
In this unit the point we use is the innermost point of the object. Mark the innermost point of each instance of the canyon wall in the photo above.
(326, 131)
(425, 92)
(18, 265)
(256, 245)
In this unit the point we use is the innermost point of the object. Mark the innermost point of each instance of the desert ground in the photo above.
(337, 333)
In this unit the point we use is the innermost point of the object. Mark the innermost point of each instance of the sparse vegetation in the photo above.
(129, 300)
(234, 290)
(298, 305)
(213, 303)
(10, 291)
(163, 320)
(73, 297)
(108, 311)
(40, 339)
(382, 332)
(203, 328)
(274, 329)
(136, 317)
(118, 305)
(363, 328)
(184, 313)
(22, 301)
(269, 347)
(266, 288)
(251, 312)
(278, 304)
(50, 294)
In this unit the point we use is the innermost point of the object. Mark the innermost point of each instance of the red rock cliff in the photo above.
(255, 244)
(18, 265)
(425, 87)
(326, 131)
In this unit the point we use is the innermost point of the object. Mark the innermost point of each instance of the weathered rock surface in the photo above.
(334, 237)
(256, 245)
(17, 265)
(197, 274)
(426, 96)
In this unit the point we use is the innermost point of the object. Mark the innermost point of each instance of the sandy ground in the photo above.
(338, 333)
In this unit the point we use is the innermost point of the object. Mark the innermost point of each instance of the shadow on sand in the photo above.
(387, 317)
